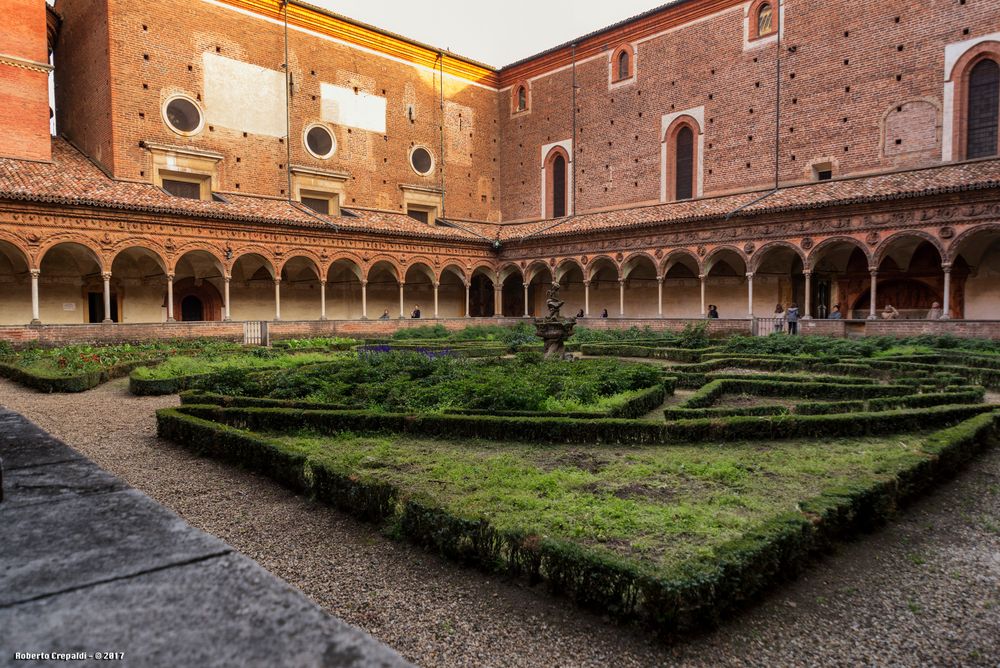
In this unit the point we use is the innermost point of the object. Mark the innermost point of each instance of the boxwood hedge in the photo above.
(692, 596)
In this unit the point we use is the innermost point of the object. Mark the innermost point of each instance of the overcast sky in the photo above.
(496, 33)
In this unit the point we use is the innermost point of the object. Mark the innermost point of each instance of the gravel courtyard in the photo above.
(922, 591)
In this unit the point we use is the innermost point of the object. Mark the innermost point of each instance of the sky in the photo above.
(495, 33)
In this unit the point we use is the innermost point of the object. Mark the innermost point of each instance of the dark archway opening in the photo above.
(481, 297)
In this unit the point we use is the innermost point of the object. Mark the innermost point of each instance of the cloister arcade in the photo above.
(76, 282)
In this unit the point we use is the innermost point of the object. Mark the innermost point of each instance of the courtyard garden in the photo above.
(664, 478)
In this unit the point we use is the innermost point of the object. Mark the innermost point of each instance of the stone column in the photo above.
(702, 277)
(227, 313)
(402, 307)
(807, 312)
(170, 298)
(277, 298)
(364, 300)
(946, 297)
(621, 297)
(436, 286)
(526, 314)
(871, 306)
(750, 293)
(107, 296)
(659, 296)
(322, 300)
(497, 301)
(467, 313)
(586, 299)
(35, 317)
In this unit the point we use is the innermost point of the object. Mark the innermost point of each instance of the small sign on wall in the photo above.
(69, 307)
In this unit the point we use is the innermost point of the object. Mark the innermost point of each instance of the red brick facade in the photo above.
(868, 103)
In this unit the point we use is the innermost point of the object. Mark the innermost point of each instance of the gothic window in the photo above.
(684, 164)
(983, 119)
(765, 20)
(522, 98)
(558, 187)
(623, 66)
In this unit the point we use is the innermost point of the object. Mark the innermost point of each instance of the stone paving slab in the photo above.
(225, 611)
(56, 482)
(51, 547)
(88, 564)
(24, 444)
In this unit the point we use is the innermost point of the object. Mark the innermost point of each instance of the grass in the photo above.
(176, 367)
(659, 506)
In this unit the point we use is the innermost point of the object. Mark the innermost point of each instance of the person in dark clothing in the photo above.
(835, 314)
(792, 317)
(604, 313)
(579, 314)
(416, 312)
(385, 315)
(713, 311)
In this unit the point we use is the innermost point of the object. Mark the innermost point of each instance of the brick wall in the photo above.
(157, 51)
(837, 45)
(24, 112)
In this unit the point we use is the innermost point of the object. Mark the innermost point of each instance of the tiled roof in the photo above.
(73, 180)
(961, 177)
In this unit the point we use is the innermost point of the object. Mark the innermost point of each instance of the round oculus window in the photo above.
(320, 141)
(421, 160)
(183, 115)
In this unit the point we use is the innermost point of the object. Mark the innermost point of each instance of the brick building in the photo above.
(251, 159)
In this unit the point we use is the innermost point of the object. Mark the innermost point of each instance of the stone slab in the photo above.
(24, 444)
(224, 611)
(56, 482)
(52, 547)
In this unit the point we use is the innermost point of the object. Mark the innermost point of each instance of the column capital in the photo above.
(702, 277)
(586, 283)
(170, 276)
(322, 281)
(659, 279)
(402, 283)
(106, 275)
(364, 284)
(526, 285)
(807, 272)
(621, 281)
(35, 273)
(277, 280)
(436, 284)
(750, 274)
(946, 267)
(227, 277)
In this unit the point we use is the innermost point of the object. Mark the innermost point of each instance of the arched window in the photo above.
(623, 65)
(765, 20)
(558, 187)
(983, 105)
(684, 163)
(522, 99)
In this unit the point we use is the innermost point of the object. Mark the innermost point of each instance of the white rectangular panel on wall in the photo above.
(343, 106)
(244, 97)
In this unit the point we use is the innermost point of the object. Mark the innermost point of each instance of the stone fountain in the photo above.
(554, 329)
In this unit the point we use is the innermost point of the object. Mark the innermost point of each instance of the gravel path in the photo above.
(923, 591)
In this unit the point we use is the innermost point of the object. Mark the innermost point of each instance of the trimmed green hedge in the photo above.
(692, 596)
(645, 401)
(591, 431)
(197, 397)
(712, 391)
(646, 349)
(80, 382)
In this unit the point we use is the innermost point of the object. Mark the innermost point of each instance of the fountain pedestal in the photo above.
(554, 332)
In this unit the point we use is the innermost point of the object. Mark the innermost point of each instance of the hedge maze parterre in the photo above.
(661, 479)
(691, 482)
